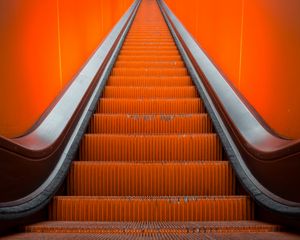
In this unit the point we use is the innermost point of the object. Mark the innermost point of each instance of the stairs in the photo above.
(150, 164)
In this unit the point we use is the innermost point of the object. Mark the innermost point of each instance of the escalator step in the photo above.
(150, 81)
(143, 40)
(150, 106)
(158, 47)
(148, 179)
(149, 44)
(144, 64)
(154, 58)
(153, 35)
(80, 208)
(149, 52)
(161, 72)
(150, 148)
(150, 124)
(149, 92)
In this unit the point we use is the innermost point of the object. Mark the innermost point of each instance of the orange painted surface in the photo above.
(29, 64)
(43, 45)
(255, 44)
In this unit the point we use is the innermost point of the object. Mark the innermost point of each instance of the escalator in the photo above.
(151, 164)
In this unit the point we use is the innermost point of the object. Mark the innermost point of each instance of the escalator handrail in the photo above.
(34, 166)
(266, 164)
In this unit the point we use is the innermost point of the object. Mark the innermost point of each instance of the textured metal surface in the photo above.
(145, 72)
(166, 236)
(151, 227)
(149, 92)
(130, 208)
(150, 124)
(150, 106)
(152, 148)
(143, 64)
(150, 81)
(151, 179)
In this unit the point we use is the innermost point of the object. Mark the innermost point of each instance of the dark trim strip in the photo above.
(34, 166)
(267, 165)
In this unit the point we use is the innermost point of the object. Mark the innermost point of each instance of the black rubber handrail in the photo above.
(267, 165)
(35, 165)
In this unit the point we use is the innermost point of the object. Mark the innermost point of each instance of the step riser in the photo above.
(149, 72)
(150, 124)
(150, 148)
(155, 106)
(149, 37)
(148, 44)
(149, 58)
(154, 92)
(150, 81)
(157, 35)
(80, 209)
(143, 40)
(178, 64)
(94, 179)
(152, 227)
(149, 48)
(148, 52)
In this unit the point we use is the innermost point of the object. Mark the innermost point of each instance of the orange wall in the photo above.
(43, 44)
(256, 46)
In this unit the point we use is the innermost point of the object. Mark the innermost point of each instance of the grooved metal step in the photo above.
(149, 92)
(151, 179)
(150, 124)
(149, 81)
(150, 148)
(79, 208)
(150, 106)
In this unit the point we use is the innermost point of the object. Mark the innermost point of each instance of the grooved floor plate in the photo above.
(152, 227)
(160, 236)
(149, 81)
